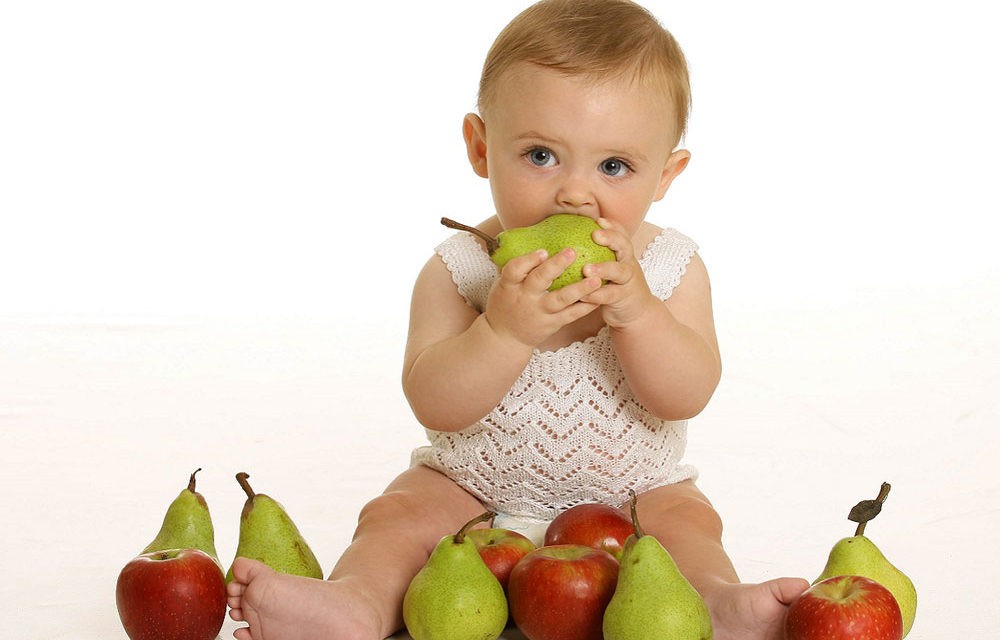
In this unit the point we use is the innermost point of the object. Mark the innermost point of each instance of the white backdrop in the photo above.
(211, 215)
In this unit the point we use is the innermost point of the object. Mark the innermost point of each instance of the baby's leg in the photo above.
(362, 599)
(684, 521)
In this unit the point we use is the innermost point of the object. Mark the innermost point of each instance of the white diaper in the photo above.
(534, 530)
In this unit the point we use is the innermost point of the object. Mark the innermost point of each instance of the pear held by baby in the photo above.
(858, 556)
(653, 599)
(268, 534)
(554, 233)
(455, 596)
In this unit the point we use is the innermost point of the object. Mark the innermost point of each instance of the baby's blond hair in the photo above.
(593, 39)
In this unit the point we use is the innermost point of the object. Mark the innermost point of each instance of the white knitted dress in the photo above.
(569, 430)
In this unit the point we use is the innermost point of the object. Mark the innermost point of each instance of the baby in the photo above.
(535, 401)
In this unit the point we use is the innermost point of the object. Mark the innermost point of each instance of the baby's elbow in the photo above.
(430, 416)
(688, 405)
(698, 399)
(426, 417)
(439, 423)
(677, 411)
(421, 410)
(692, 409)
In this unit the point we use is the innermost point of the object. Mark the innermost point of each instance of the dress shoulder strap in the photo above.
(665, 260)
(471, 269)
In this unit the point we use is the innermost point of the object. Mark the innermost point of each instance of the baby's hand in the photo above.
(521, 306)
(625, 295)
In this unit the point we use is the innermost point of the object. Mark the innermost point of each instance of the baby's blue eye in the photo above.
(541, 157)
(614, 167)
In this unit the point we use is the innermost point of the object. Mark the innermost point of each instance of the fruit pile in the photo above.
(595, 571)
(598, 577)
(174, 589)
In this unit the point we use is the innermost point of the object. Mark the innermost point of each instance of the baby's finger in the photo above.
(543, 275)
(616, 272)
(575, 311)
(517, 269)
(613, 236)
(573, 293)
(607, 294)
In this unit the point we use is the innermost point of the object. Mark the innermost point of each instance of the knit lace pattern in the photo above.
(569, 431)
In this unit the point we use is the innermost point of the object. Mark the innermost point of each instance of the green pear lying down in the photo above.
(553, 234)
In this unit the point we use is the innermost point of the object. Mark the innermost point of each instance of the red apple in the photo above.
(593, 525)
(176, 594)
(844, 608)
(560, 592)
(501, 549)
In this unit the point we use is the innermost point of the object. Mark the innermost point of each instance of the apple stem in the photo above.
(241, 477)
(635, 514)
(492, 244)
(866, 510)
(191, 481)
(460, 536)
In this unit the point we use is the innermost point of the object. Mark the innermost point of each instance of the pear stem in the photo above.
(492, 244)
(883, 493)
(460, 536)
(241, 477)
(191, 481)
(635, 514)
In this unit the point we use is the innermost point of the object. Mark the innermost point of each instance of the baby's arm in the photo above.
(670, 355)
(668, 350)
(459, 363)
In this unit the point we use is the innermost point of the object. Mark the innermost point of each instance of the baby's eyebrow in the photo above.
(535, 135)
(631, 154)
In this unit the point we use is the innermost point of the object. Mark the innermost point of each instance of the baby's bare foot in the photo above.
(752, 611)
(277, 606)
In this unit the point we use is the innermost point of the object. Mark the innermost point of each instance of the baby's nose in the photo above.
(575, 193)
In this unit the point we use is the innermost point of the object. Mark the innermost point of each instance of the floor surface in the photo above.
(104, 420)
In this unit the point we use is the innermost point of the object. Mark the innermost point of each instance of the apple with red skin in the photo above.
(844, 608)
(560, 592)
(174, 594)
(501, 549)
(600, 526)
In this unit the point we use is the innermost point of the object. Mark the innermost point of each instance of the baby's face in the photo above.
(559, 144)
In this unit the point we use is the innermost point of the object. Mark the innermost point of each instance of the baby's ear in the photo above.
(676, 163)
(474, 132)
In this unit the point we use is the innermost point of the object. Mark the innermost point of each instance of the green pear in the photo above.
(553, 234)
(858, 556)
(455, 596)
(187, 524)
(268, 534)
(652, 598)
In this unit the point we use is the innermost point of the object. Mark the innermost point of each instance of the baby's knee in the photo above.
(406, 509)
(680, 506)
(699, 511)
(389, 507)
